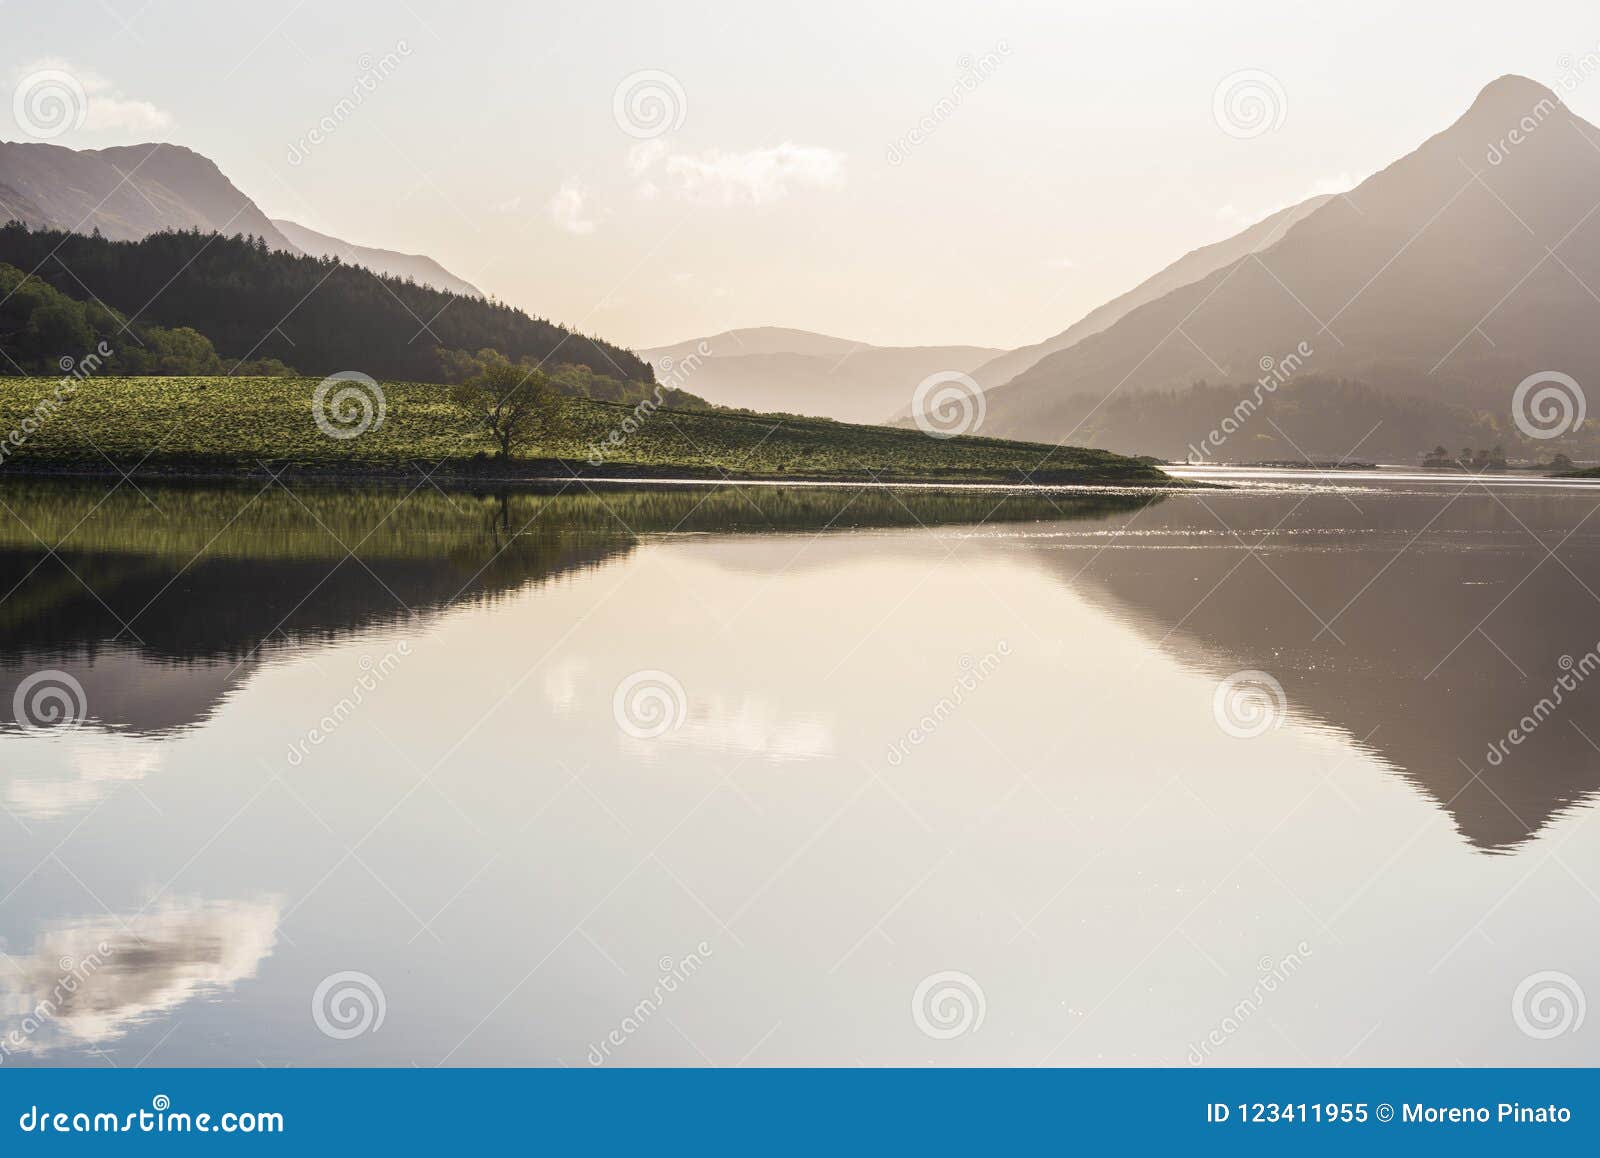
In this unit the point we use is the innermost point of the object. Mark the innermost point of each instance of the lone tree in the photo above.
(516, 404)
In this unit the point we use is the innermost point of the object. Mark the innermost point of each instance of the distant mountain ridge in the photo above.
(777, 368)
(772, 368)
(1186, 270)
(1449, 277)
(417, 267)
(132, 191)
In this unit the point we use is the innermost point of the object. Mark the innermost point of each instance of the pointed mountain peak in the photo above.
(1511, 95)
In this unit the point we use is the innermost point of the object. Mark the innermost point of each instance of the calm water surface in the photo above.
(940, 778)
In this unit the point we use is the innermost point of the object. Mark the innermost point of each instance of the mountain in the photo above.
(770, 368)
(126, 192)
(1187, 269)
(414, 266)
(1449, 277)
(770, 340)
(133, 191)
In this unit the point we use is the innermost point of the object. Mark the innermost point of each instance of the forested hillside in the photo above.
(315, 314)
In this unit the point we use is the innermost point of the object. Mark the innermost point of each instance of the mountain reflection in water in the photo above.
(162, 602)
(1422, 628)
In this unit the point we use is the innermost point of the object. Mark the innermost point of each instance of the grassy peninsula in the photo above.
(217, 426)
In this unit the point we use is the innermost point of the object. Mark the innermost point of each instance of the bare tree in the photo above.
(516, 404)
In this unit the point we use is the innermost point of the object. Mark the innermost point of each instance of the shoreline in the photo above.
(538, 474)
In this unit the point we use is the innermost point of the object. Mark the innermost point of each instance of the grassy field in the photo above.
(222, 424)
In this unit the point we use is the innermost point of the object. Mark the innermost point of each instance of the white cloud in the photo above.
(123, 971)
(569, 208)
(98, 769)
(645, 154)
(105, 108)
(753, 177)
(1342, 183)
(107, 113)
(747, 725)
(561, 685)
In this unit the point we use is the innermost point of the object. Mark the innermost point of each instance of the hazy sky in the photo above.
(1088, 154)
